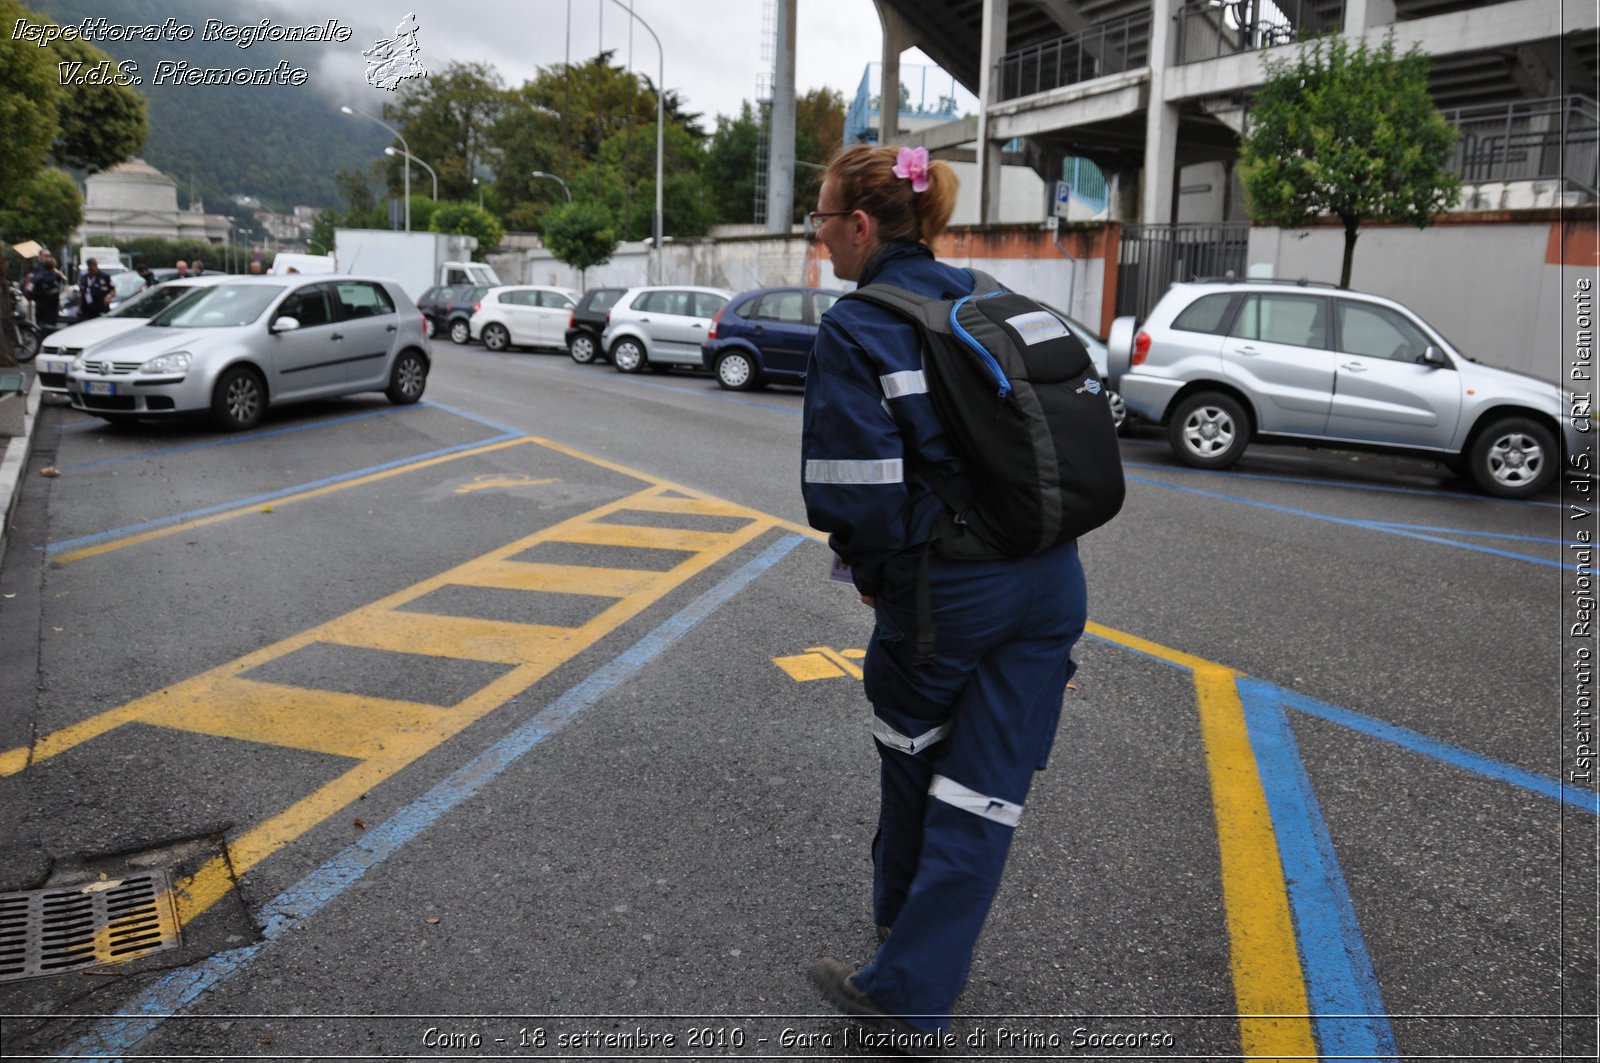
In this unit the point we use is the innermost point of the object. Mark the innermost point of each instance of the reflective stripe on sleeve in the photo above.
(953, 793)
(895, 740)
(887, 471)
(906, 382)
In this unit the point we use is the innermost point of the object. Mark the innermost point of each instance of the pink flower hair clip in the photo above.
(912, 164)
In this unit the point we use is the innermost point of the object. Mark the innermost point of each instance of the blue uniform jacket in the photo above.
(866, 409)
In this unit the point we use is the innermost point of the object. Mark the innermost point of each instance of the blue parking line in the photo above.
(1552, 540)
(66, 545)
(175, 992)
(1455, 756)
(1351, 522)
(498, 427)
(247, 437)
(1342, 990)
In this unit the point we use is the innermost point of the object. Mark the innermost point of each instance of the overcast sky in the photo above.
(713, 47)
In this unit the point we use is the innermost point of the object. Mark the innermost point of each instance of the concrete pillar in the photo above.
(780, 180)
(995, 20)
(1157, 204)
(1362, 15)
(897, 38)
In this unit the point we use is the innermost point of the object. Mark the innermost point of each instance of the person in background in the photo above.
(43, 286)
(183, 269)
(960, 734)
(148, 277)
(96, 291)
(199, 268)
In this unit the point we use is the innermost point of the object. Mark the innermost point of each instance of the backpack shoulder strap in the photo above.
(983, 283)
(918, 309)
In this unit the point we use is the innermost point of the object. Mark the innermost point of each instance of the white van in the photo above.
(286, 260)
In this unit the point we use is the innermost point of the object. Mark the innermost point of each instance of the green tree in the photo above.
(101, 125)
(818, 135)
(623, 179)
(447, 119)
(1347, 131)
(468, 219)
(29, 101)
(46, 208)
(581, 235)
(730, 174)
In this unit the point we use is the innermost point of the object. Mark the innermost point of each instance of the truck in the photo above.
(416, 261)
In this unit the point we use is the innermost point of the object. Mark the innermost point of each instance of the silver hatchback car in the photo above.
(1221, 363)
(236, 347)
(659, 327)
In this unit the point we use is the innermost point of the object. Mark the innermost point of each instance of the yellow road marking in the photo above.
(489, 481)
(302, 496)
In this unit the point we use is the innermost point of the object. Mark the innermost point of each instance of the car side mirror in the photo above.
(285, 324)
(1435, 357)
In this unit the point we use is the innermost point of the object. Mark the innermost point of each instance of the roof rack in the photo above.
(1231, 278)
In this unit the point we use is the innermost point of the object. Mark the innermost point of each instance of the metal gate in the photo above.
(1153, 257)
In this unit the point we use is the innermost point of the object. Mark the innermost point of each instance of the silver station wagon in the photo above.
(235, 348)
(1222, 363)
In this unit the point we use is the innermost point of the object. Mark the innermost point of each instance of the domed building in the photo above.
(136, 199)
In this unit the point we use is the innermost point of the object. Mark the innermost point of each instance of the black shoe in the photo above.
(833, 980)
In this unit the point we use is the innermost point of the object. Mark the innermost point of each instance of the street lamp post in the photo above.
(661, 125)
(476, 183)
(403, 144)
(553, 177)
(392, 150)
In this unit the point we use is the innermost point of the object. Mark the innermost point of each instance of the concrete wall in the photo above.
(1491, 285)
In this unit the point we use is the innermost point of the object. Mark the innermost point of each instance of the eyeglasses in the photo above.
(817, 217)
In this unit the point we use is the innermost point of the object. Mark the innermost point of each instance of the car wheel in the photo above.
(1514, 457)
(582, 348)
(1209, 431)
(1119, 409)
(628, 356)
(460, 331)
(496, 338)
(239, 399)
(736, 372)
(407, 379)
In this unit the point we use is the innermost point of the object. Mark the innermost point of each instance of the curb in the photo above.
(15, 461)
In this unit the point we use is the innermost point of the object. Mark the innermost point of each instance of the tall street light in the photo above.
(403, 144)
(392, 150)
(661, 125)
(553, 177)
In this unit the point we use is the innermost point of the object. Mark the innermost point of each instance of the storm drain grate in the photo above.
(54, 931)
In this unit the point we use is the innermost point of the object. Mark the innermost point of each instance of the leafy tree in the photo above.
(447, 118)
(46, 208)
(623, 179)
(101, 125)
(467, 219)
(320, 241)
(1350, 132)
(818, 134)
(729, 172)
(581, 235)
(29, 101)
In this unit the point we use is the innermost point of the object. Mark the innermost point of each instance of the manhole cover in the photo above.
(53, 931)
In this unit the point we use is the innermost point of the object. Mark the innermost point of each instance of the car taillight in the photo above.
(608, 319)
(572, 319)
(715, 321)
(1141, 347)
(477, 306)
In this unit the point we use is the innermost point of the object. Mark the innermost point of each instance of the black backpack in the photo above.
(1027, 414)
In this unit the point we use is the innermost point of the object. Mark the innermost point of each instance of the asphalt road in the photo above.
(523, 723)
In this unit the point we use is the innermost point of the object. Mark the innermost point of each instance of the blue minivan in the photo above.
(764, 336)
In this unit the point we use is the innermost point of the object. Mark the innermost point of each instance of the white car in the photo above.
(61, 348)
(523, 315)
(659, 327)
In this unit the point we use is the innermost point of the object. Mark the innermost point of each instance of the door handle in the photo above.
(1354, 367)
(644, 320)
(697, 325)
(390, 328)
(758, 330)
(1250, 351)
(338, 336)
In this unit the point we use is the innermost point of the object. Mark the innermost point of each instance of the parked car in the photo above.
(245, 343)
(1222, 363)
(432, 303)
(587, 321)
(659, 327)
(455, 320)
(522, 315)
(61, 348)
(765, 335)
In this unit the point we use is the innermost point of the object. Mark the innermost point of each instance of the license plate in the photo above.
(96, 387)
(47, 366)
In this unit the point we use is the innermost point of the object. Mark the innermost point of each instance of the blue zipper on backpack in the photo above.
(971, 341)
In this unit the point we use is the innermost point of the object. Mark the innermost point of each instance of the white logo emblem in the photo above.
(395, 60)
(1091, 385)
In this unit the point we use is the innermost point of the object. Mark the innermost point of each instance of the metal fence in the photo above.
(1109, 48)
(1153, 257)
(1210, 29)
(1530, 140)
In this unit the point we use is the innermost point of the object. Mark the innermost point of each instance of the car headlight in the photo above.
(177, 362)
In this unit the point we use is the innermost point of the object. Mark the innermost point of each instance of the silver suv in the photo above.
(1223, 362)
(654, 328)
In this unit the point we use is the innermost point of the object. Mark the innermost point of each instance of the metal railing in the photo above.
(1154, 257)
(1210, 29)
(1530, 140)
(1109, 48)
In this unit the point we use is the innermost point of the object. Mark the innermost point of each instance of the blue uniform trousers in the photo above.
(959, 741)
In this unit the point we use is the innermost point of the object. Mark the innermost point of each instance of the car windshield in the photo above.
(225, 306)
(151, 302)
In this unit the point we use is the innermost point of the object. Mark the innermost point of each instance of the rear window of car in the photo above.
(554, 299)
(602, 298)
(1209, 313)
(783, 307)
(1294, 320)
(822, 302)
(706, 304)
(360, 299)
